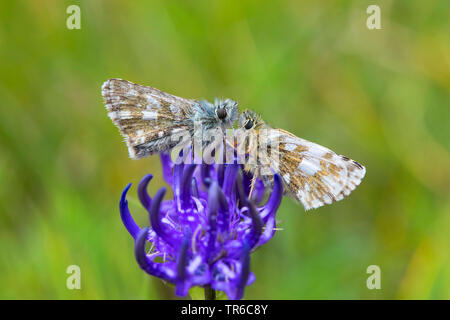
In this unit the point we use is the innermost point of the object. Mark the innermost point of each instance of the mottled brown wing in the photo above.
(145, 116)
(313, 174)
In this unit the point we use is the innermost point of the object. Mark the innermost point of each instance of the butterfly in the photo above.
(311, 173)
(151, 121)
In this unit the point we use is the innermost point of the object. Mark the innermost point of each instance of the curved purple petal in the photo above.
(127, 219)
(257, 225)
(167, 166)
(156, 220)
(142, 191)
(182, 282)
(141, 257)
(223, 217)
(240, 192)
(194, 188)
(212, 209)
(186, 185)
(205, 172)
(220, 173)
(258, 191)
(230, 175)
(245, 272)
(269, 230)
(275, 198)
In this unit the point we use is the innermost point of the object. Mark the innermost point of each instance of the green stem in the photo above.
(210, 294)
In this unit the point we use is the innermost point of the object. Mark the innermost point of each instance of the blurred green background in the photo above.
(380, 97)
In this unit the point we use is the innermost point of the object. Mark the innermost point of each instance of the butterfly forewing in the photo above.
(315, 175)
(145, 116)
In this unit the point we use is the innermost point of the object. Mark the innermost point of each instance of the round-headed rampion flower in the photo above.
(205, 234)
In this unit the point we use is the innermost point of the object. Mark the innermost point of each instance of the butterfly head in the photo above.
(249, 120)
(226, 111)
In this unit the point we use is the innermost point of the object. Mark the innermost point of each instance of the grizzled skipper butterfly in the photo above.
(311, 174)
(149, 118)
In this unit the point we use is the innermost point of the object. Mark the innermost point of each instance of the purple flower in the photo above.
(205, 234)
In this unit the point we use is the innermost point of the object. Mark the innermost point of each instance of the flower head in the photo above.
(205, 234)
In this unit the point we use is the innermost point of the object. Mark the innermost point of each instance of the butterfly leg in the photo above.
(252, 186)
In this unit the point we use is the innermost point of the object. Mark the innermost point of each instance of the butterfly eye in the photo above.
(221, 113)
(249, 124)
